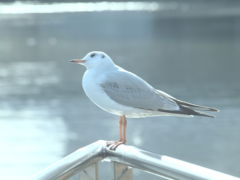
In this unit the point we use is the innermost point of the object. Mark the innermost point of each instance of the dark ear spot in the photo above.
(103, 56)
(93, 54)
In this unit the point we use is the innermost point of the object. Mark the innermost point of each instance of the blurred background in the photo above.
(190, 49)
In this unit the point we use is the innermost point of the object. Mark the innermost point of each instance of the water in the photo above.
(45, 114)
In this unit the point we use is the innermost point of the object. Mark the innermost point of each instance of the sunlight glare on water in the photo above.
(24, 8)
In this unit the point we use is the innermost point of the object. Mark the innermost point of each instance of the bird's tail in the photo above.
(195, 106)
(193, 109)
(191, 112)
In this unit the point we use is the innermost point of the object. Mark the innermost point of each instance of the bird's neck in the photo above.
(102, 68)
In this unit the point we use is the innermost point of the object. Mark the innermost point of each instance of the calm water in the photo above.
(45, 115)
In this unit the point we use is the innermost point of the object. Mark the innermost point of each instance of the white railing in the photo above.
(85, 161)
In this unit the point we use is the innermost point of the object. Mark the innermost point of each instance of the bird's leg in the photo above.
(122, 133)
(120, 129)
(124, 139)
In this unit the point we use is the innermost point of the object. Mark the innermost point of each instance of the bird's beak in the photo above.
(78, 61)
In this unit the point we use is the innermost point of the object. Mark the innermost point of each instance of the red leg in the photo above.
(122, 134)
(120, 129)
(124, 140)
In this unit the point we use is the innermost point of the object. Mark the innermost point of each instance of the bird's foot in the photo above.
(112, 145)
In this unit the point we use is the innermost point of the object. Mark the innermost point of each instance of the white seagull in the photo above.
(125, 94)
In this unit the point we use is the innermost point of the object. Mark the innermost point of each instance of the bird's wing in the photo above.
(130, 90)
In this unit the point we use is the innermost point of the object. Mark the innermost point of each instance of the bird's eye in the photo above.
(103, 56)
(92, 55)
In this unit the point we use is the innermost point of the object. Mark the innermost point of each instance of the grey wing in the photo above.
(130, 90)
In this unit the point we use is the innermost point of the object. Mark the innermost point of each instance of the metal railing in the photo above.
(85, 160)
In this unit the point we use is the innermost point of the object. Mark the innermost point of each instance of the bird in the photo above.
(125, 94)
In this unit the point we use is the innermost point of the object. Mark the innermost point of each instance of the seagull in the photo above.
(126, 95)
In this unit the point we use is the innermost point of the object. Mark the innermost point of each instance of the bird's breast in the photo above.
(91, 86)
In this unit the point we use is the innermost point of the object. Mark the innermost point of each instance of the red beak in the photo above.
(77, 61)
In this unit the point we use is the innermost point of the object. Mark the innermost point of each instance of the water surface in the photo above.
(45, 115)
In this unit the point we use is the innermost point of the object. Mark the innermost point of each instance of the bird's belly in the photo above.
(102, 100)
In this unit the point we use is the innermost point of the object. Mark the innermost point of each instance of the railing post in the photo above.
(90, 173)
(122, 172)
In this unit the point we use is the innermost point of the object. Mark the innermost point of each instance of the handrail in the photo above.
(73, 163)
(164, 166)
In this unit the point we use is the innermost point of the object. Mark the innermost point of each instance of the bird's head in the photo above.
(94, 59)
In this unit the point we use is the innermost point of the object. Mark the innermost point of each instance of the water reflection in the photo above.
(166, 8)
(20, 128)
(25, 8)
(26, 76)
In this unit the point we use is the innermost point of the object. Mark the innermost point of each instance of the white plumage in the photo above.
(125, 94)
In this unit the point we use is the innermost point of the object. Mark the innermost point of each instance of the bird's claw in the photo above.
(112, 145)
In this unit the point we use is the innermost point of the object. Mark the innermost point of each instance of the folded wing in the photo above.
(130, 90)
